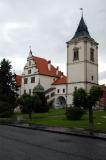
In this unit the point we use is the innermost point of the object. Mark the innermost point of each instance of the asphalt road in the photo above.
(25, 144)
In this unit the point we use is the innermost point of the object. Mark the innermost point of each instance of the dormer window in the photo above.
(92, 54)
(76, 54)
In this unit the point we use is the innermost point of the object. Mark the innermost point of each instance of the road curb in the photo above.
(101, 136)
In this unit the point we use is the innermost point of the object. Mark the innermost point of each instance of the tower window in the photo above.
(92, 78)
(58, 90)
(92, 54)
(76, 54)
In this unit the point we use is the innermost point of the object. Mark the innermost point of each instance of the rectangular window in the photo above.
(30, 91)
(58, 90)
(25, 80)
(52, 94)
(76, 54)
(24, 91)
(63, 90)
(32, 79)
(92, 54)
(29, 71)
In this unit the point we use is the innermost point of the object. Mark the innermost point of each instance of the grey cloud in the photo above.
(46, 25)
(102, 75)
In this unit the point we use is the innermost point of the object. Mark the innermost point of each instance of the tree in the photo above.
(7, 84)
(79, 97)
(94, 95)
(43, 107)
(26, 103)
(82, 99)
(29, 103)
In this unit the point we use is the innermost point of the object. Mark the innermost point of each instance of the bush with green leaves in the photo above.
(74, 113)
(43, 106)
(36, 103)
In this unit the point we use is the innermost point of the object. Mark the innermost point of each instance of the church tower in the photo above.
(82, 61)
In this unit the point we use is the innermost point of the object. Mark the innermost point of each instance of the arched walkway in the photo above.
(60, 102)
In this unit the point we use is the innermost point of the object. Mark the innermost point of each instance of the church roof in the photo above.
(82, 30)
(42, 66)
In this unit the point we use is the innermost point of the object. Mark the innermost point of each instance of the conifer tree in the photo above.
(7, 83)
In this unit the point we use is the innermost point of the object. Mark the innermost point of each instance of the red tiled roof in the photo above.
(61, 80)
(103, 87)
(49, 90)
(18, 80)
(42, 65)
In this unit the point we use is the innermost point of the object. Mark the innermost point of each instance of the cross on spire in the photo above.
(81, 11)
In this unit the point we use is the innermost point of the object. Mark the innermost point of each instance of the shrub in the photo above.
(41, 106)
(74, 113)
(6, 114)
(6, 107)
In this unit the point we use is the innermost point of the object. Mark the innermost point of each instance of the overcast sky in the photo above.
(47, 25)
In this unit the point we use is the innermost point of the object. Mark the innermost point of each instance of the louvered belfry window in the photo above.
(76, 54)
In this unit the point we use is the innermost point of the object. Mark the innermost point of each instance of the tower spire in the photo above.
(82, 29)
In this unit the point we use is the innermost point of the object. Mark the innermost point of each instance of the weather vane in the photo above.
(81, 11)
(30, 47)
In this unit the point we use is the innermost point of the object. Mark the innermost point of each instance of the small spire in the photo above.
(30, 51)
(81, 12)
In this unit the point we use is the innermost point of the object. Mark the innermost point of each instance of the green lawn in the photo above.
(58, 118)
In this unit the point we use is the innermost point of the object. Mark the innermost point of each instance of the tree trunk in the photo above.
(30, 115)
(91, 121)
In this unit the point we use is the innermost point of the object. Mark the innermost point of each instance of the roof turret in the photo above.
(38, 88)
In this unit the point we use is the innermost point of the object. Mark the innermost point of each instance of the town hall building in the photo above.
(82, 70)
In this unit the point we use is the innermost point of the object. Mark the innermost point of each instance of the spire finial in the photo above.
(30, 51)
(30, 47)
(81, 11)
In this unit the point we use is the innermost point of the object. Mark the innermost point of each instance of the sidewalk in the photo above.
(60, 130)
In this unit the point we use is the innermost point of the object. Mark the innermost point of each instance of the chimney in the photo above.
(57, 70)
(49, 65)
(61, 75)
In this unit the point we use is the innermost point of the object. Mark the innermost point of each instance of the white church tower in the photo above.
(82, 61)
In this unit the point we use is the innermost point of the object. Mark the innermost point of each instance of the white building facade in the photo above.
(53, 81)
(82, 61)
(82, 70)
